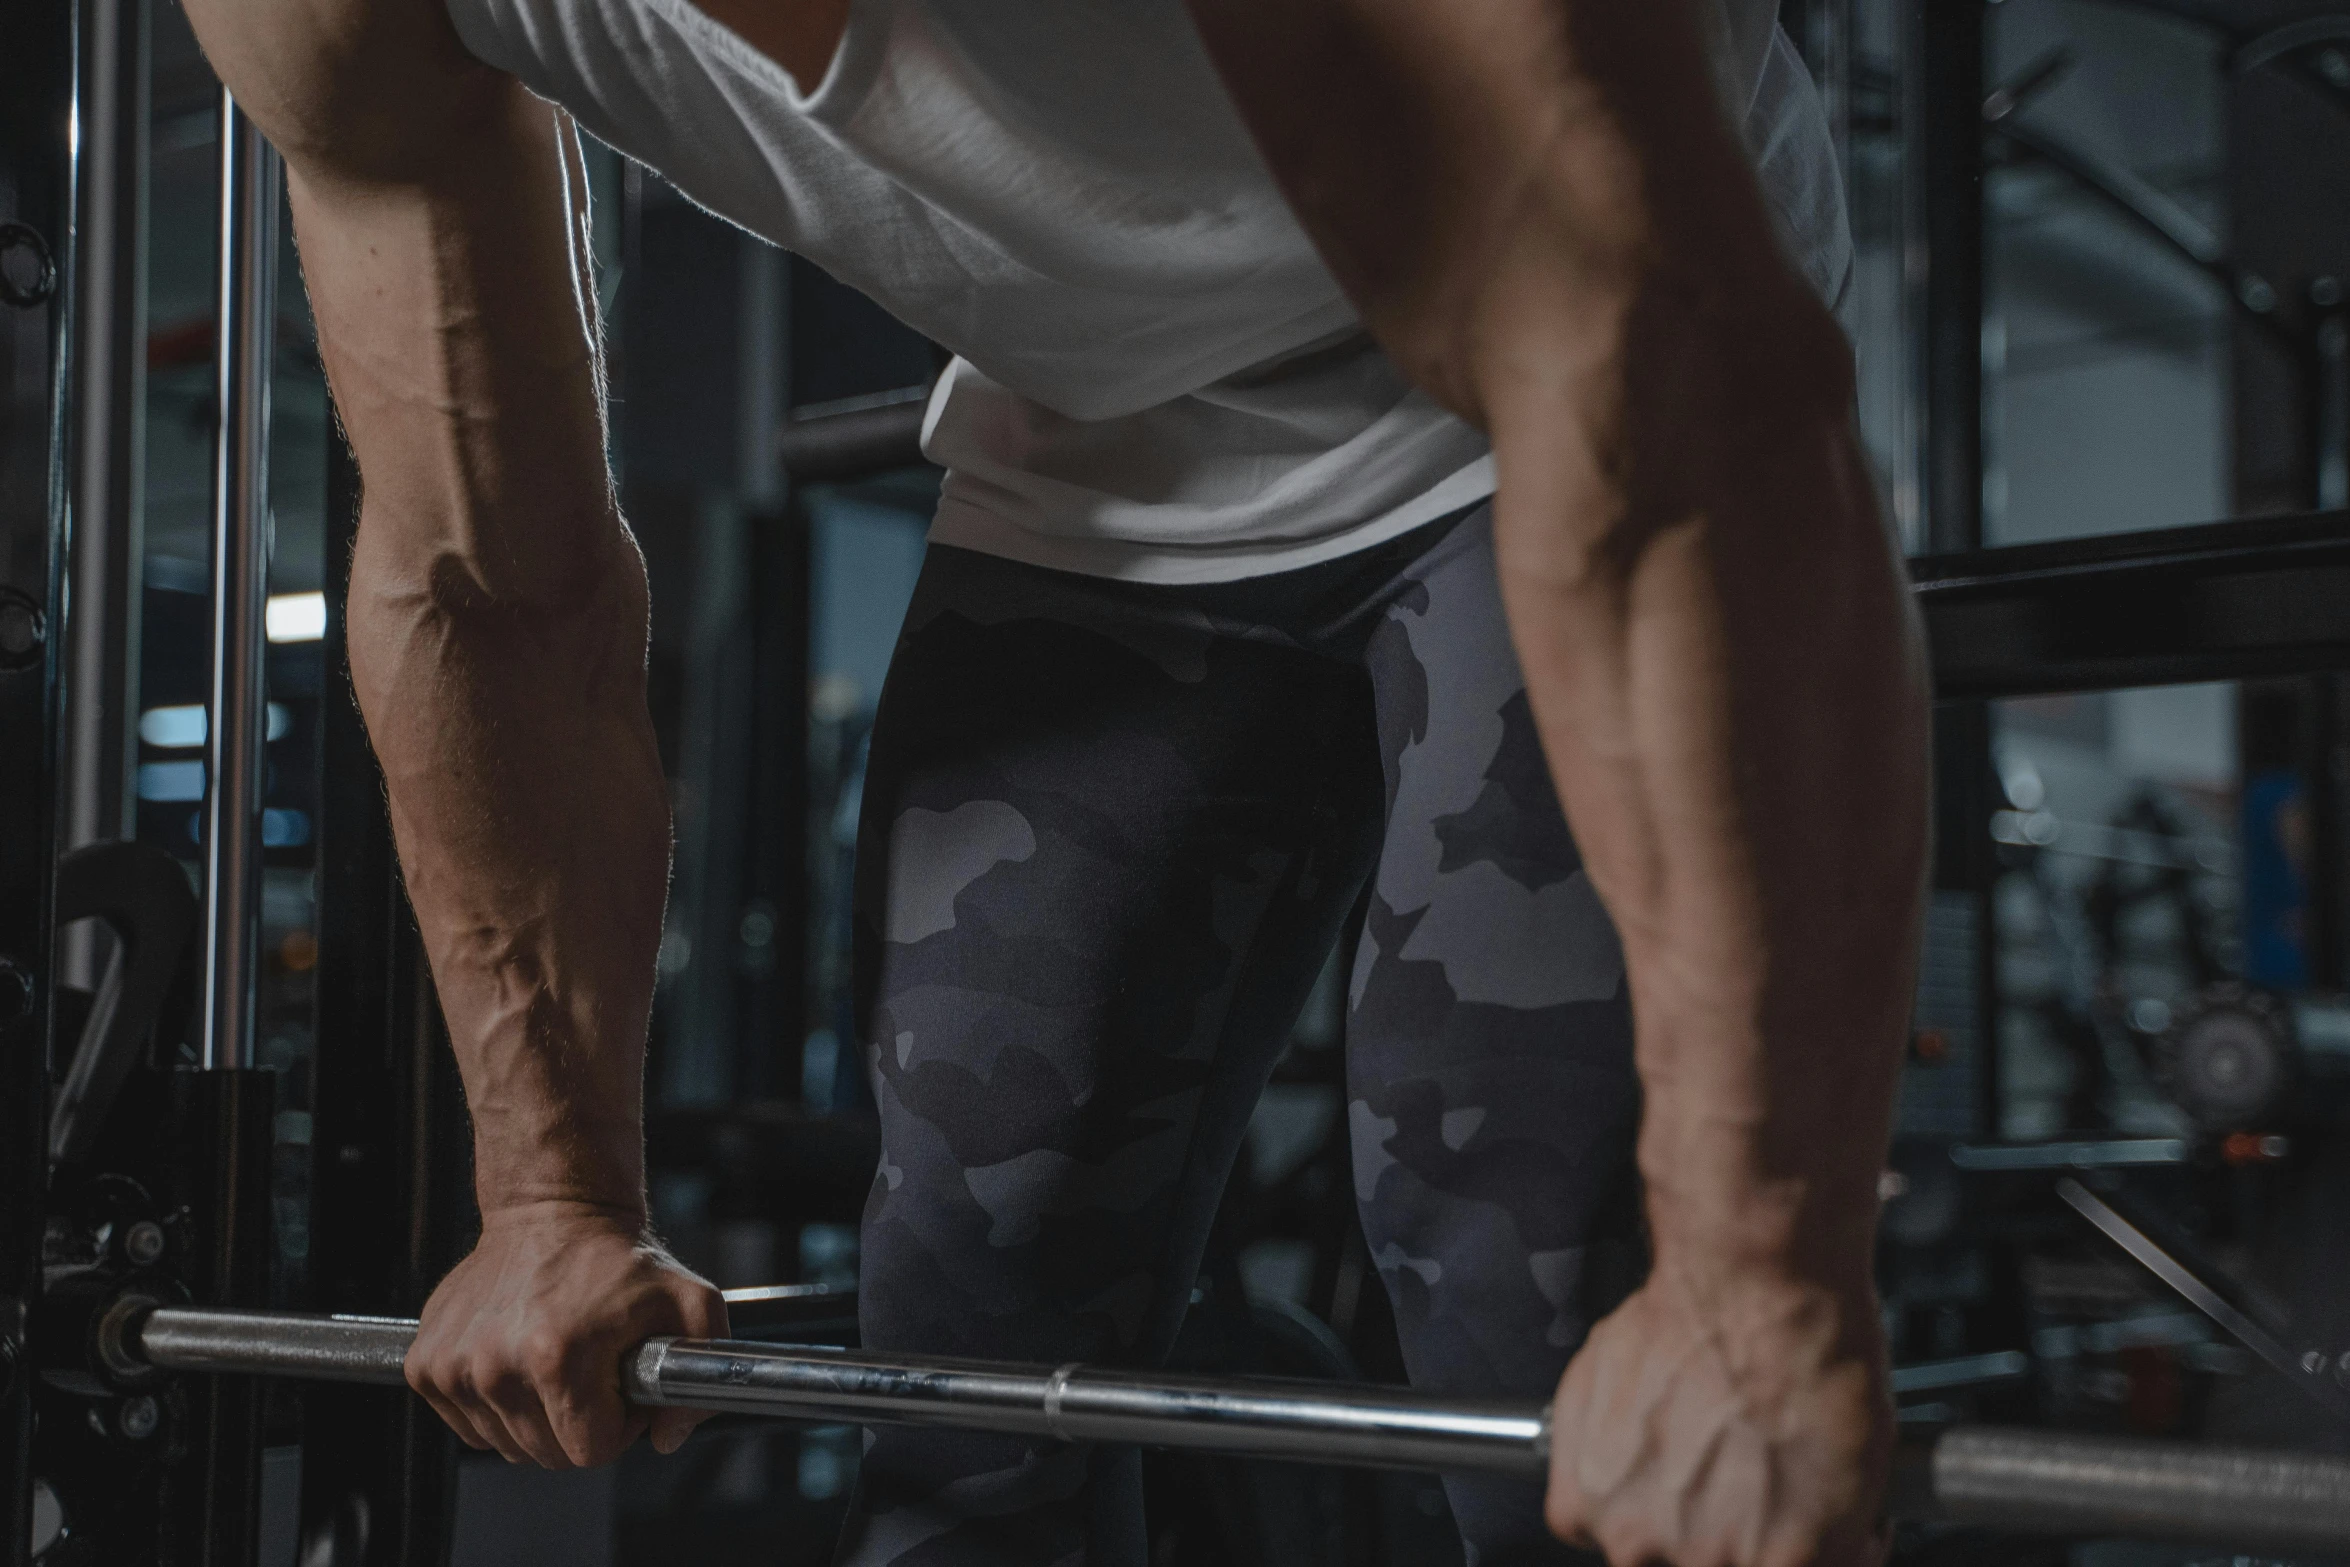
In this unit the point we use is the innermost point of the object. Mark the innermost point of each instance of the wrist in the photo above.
(1791, 1234)
(1776, 1329)
(528, 1169)
(564, 1213)
(1724, 1215)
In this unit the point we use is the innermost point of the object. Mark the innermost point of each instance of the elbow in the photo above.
(577, 604)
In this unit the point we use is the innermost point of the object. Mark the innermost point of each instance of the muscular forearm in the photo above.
(533, 829)
(498, 626)
(1731, 701)
(1542, 210)
(497, 604)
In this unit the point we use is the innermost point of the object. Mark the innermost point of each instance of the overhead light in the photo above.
(173, 727)
(296, 617)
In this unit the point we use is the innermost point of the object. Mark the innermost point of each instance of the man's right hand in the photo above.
(498, 628)
(521, 1346)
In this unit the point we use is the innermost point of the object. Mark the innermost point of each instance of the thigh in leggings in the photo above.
(1105, 841)
(1492, 1099)
(1108, 833)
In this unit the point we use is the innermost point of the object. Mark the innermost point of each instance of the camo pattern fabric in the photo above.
(1110, 830)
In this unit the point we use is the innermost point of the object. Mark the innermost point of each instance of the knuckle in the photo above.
(543, 1356)
(426, 1362)
(1627, 1543)
(499, 1384)
(590, 1443)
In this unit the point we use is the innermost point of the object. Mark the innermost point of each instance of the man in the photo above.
(1302, 340)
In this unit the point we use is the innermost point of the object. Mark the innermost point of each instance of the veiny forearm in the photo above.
(497, 609)
(498, 626)
(1731, 697)
(533, 829)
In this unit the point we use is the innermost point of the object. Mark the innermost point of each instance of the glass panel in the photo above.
(2106, 347)
(2166, 259)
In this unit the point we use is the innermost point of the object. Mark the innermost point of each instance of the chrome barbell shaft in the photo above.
(2010, 1481)
(1242, 1417)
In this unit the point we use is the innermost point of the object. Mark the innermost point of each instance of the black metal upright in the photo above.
(218, 1181)
(100, 656)
(36, 256)
(1942, 124)
(1942, 479)
(774, 983)
(390, 1197)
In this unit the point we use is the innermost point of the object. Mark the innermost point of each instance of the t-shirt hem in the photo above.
(963, 524)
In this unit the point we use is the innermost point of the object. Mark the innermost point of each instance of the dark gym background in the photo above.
(2103, 254)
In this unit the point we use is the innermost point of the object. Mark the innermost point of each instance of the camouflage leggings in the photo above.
(1109, 832)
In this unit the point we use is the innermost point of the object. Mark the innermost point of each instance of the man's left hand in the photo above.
(1751, 1431)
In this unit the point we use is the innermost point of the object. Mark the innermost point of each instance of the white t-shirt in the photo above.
(1156, 377)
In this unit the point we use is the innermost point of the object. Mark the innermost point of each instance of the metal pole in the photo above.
(1243, 1417)
(109, 374)
(2012, 1481)
(1940, 491)
(37, 173)
(1258, 1417)
(2057, 1482)
(234, 769)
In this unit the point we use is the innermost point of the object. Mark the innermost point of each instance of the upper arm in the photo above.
(1475, 175)
(438, 208)
(374, 89)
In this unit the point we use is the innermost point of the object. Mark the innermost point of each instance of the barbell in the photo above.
(2010, 1480)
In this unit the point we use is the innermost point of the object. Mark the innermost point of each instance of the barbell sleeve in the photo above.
(226, 1341)
(2063, 1482)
